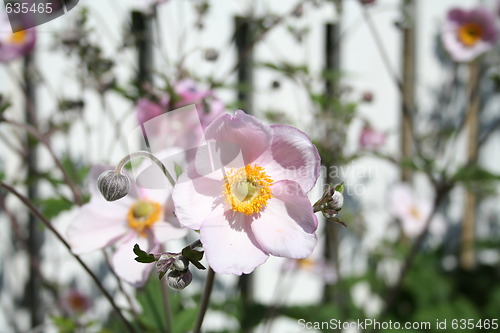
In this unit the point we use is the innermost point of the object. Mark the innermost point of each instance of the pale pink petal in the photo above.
(230, 247)
(98, 224)
(126, 267)
(291, 156)
(147, 110)
(195, 199)
(239, 135)
(286, 227)
(401, 199)
(169, 228)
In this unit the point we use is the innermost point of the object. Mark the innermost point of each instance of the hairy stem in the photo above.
(153, 158)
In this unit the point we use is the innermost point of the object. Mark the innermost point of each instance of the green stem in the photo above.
(207, 291)
(153, 158)
(49, 226)
(166, 305)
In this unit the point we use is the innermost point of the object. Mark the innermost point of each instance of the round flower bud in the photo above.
(112, 185)
(180, 264)
(211, 54)
(179, 280)
(337, 201)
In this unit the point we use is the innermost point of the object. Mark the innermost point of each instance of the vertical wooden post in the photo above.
(467, 256)
(35, 239)
(408, 83)
(332, 64)
(243, 38)
(142, 32)
(141, 29)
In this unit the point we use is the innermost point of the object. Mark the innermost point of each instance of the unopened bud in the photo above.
(211, 54)
(337, 201)
(180, 264)
(164, 263)
(112, 185)
(179, 280)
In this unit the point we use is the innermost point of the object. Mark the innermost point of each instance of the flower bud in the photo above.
(337, 201)
(179, 280)
(211, 54)
(112, 185)
(164, 263)
(180, 264)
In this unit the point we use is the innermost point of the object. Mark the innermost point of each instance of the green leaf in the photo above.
(54, 206)
(194, 256)
(178, 170)
(474, 173)
(339, 188)
(143, 256)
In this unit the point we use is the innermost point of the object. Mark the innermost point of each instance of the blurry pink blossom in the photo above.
(469, 33)
(247, 193)
(413, 212)
(320, 268)
(14, 45)
(207, 105)
(74, 301)
(143, 217)
(371, 138)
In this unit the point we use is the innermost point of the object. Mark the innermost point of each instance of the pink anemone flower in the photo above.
(208, 106)
(413, 212)
(14, 45)
(469, 33)
(143, 217)
(246, 193)
(370, 138)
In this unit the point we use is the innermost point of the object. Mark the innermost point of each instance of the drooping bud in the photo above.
(112, 185)
(180, 264)
(179, 280)
(331, 202)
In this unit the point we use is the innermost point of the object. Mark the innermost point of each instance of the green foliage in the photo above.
(52, 207)
(194, 256)
(143, 256)
(152, 319)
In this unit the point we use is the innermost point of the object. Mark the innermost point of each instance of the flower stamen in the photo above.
(142, 215)
(247, 189)
(470, 33)
(18, 37)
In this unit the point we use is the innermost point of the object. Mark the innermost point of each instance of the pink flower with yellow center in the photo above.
(469, 33)
(14, 45)
(143, 217)
(413, 212)
(246, 192)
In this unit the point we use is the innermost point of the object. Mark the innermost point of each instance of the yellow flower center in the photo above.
(247, 189)
(142, 215)
(305, 263)
(415, 212)
(470, 33)
(18, 37)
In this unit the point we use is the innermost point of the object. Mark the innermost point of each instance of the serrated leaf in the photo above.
(143, 256)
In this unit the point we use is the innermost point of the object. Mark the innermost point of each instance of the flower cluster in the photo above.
(245, 190)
